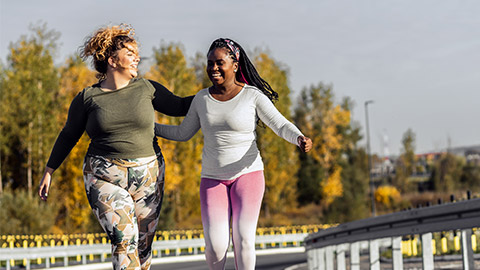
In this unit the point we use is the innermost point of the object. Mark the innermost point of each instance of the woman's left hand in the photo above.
(305, 143)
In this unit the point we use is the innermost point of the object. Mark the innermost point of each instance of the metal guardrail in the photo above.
(43, 240)
(161, 248)
(346, 238)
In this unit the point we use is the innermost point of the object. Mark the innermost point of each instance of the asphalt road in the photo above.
(264, 262)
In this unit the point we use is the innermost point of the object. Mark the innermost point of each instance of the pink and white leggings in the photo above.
(240, 200)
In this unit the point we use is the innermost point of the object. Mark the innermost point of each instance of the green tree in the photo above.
(2, 138)
(183, 159)
(200, 66)
(24, 214)
(28, 109)
(279, 156)
(75, 214)
(470, 179)
(447, 173)
(406, 163)
(321, 169)
(354, 203)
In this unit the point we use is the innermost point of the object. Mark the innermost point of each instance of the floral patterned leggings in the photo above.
(126, 197)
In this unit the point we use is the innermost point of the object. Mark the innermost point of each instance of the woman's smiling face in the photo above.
(220, 67)
(127, 60)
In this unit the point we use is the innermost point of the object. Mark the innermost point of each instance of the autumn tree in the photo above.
(324, 121)
(75, 214)
(28, 110)
(199, 64)
(2, 138)
(279, 156)
(387, 197)
(354, 202)
(183, 159)
(405, 164)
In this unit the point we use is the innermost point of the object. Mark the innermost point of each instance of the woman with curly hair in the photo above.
(232, 181)
(123, 168)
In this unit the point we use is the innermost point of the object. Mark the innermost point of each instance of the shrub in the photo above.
(21, 214)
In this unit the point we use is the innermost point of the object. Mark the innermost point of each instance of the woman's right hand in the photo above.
(45, 183)
(305, 143)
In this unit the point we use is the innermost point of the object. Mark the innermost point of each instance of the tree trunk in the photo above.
(1, 180)
(29, 160)
(40, 157)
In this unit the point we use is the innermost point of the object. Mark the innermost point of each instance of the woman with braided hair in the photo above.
(123, 168)
(232, 180)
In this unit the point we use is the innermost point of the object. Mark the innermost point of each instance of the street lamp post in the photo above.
(372, 186)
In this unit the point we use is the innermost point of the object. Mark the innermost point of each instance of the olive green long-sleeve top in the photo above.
(120, 123)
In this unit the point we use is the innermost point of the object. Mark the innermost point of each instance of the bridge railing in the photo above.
(331, 245)
(64, 250)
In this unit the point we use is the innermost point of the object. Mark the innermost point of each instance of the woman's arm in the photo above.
(269, 115)
(70, 134)
(189, 127)
(44, 186)
(67, 139)
(168, 103)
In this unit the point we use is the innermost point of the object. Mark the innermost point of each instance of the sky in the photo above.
(417, 60)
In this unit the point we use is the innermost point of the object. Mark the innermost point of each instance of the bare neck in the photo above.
(224, 93)
(114, 81)
(227, 88)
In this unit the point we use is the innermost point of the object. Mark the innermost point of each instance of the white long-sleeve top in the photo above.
(230, 148)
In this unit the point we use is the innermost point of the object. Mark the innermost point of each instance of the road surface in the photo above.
(292, 261)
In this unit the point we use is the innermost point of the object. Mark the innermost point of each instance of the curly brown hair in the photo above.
(105, 43)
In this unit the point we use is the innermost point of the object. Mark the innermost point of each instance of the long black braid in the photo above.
(247, 72)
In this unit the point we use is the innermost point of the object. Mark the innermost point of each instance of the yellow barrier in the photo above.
(272, 233)
(444, 244)
(189, 236)
(434, 247)
(202, 248)
(409, 247)
(90, 238)
(155, 252)
(474, 242)
(11, 244)
(166, 238)
(78, 243)
(456, 242)
(104, 241)
(414, 243)
(39, 244)
(25, 245)
(283, 231)
(260, 232)
(177, 252)
(294, 231)
(11, 241)
(25, 241)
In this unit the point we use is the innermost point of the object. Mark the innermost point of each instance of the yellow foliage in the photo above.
(182, 159)
(75, 76)
(68, 180)
(332, 187)
(329, 141)
(325, 123)
(387, 196)
(280, 158)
